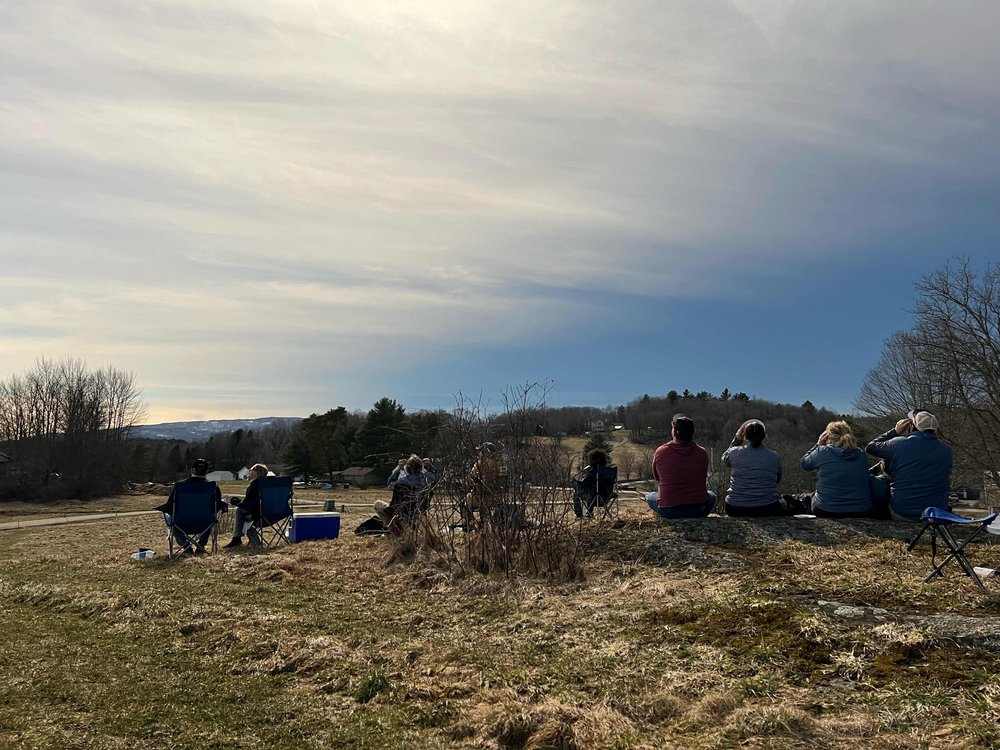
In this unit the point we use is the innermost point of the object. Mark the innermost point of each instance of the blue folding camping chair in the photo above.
(192, 517)
(938, 521)
(275, 510)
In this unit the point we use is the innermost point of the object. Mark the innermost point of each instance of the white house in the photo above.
(220, 476)
(243, 473)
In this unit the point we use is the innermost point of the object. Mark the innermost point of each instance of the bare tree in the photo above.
(949, 363)
(66, 427)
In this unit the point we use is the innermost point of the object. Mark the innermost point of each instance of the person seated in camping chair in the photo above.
(412, 485)
(248, 510)
(199, 471)
(585, 485)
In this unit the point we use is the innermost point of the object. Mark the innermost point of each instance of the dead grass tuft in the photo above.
(712, 709)
(305, 656)
(772, 721)
(662, 707)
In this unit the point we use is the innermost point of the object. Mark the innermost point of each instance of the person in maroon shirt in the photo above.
(681, 468)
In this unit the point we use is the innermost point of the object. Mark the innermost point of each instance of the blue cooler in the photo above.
(305, 526)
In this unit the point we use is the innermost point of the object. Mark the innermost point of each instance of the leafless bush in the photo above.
(522, 523)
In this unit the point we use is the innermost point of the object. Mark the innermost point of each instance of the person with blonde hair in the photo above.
(842, 479)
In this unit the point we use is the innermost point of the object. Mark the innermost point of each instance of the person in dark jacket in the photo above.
(199, 470)
(919, 465)
(586, 485)
(681, 468)
(248, 510)
(842, 479)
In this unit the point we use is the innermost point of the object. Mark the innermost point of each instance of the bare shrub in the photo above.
(520, 522)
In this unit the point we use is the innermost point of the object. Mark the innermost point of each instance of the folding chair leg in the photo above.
(955, 552)
(920, 533)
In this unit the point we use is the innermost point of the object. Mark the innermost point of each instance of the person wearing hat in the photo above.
(248, 509)
(919, 465)
(199, 471)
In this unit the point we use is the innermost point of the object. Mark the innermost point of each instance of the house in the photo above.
(362, 476)
(243, 473)
(220, 476)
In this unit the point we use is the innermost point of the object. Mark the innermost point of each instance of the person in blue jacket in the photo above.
(842, 479)
(919, 465)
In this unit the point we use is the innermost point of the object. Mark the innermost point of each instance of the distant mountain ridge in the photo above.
(197, 431)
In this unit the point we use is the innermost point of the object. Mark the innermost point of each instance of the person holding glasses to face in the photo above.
(248, 510)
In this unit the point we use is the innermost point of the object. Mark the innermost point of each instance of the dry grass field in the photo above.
(718, 633)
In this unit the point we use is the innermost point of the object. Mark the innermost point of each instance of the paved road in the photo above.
(59, 520)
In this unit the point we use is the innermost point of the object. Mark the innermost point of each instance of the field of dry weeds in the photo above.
(717, 633)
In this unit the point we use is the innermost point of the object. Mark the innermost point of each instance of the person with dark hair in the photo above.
(919, 465)
(842, 479)
(248, 510)
(586, 483)
(681, 468)
(753, 486)
(199, 471)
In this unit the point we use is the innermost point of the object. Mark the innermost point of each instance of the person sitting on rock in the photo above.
(681, 468)
(842, 479)
(919, 465)
(753, 486)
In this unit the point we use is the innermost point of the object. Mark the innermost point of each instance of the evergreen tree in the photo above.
(325, 437)
(598, 440)
(384, 436)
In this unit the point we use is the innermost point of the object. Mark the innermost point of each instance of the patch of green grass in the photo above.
(375, 683)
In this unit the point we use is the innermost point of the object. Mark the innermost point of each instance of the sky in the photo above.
(277, 208)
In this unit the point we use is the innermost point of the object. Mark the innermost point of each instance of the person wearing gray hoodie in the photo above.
(753, 486)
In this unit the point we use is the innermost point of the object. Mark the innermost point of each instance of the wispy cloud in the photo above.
(377, 177)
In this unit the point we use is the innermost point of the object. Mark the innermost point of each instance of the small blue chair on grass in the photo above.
(191, 518)
(275, 510)
(938, 522)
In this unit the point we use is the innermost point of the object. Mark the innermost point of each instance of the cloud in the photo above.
(382, 177)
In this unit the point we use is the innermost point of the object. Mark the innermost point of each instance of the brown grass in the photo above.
(669, 642)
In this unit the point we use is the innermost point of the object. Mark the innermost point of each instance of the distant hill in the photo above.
(196, 431)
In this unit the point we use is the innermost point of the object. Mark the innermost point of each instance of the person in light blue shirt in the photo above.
(753, 487)
(842, 479)
(919, 466)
